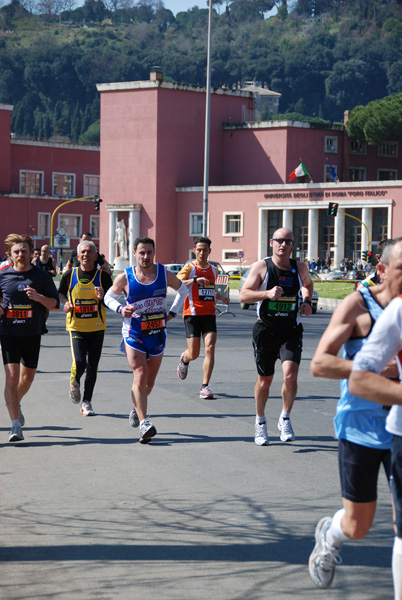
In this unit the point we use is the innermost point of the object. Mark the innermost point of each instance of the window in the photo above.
(389, 149)
(63, 184)
(233, 224)
(331, 144)
(357, 174)
(91, 185)
(196, 223)
(231, 255)
(387, 174)
(380, 224)
(72, 224)
(31, 183)
(358, 148)
(328, 175)
(94, 226)
(44, 224)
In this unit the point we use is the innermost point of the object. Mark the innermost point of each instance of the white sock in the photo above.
(260, 420)
(285, 415)
(335, 536)
(15, 422)
(397, 567)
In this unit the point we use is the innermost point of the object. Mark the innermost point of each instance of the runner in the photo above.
(283, 290)
(26, 292)
(200, 313)
(384, 343)
(81, 292)
(145, 318)
(364, 444)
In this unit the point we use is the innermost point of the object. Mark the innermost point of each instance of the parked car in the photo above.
(175, 267)
(314, 299)
(336, 275)
(359, 275)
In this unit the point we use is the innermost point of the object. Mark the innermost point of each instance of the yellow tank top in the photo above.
(89, 313)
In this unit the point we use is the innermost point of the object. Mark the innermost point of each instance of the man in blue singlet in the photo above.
(283, 289)
(364, 443)
(145, 317)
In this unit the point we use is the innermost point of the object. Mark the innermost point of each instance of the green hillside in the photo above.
(323, 56)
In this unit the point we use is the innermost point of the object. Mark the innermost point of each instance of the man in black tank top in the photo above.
(282, 289)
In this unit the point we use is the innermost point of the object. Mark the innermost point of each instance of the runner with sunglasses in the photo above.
(282, 289)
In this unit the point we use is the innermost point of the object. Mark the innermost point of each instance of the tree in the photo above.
(377, 121)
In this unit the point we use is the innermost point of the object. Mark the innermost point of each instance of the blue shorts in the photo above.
(151, 345)
(358, 470)
(396, 480)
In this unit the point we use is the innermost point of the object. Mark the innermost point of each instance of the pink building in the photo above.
(152, 154)
(36, 178)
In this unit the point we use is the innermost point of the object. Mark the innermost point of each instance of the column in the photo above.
(133, 230)
(287, 218)
(339, 240)
(367, 218)
(263, 231)
(313, 220)
(112, 230)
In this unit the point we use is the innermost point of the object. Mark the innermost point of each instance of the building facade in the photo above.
(36, 178)
(152, 159)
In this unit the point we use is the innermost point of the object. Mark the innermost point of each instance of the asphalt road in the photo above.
(88, 512)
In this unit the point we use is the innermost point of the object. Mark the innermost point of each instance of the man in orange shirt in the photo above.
(199, 313)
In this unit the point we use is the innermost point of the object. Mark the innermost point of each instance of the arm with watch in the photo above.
(306, 290)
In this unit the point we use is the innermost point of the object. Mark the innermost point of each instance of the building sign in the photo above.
(312, 195)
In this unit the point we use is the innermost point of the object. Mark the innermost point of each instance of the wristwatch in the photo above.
(195, 279)
(307, 301)
(172, 314)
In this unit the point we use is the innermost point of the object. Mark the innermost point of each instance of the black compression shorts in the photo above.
(269, 345)
(199, 325)
(20, 349)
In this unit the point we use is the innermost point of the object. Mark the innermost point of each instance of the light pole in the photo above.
(207, 127)
(95, 198)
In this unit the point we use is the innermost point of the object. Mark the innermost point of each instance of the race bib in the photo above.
(86, 309)
(20, 311)
(282, 305)
(152, 323)
(206, 292)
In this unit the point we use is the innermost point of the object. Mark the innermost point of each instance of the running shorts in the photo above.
(20, 349)
(199, 325)
(269, 345)
(151, 345)
(358, 470)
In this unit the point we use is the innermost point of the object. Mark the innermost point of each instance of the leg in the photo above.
(209, 360)
(193, 349)
(144, 375)
(79, 354)
(261, 391)
(27, 375)
(290, 371)
(94, 350)
(12, 373)
(357, 519)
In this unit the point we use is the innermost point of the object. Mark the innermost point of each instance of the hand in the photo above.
(305, 309)
(275, 292)
(127, 311)
(202, 281)
(2, 309)
(100, 292)
(32, 293)
(68, 307)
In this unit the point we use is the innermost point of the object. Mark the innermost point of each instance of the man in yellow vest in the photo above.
(81, 291)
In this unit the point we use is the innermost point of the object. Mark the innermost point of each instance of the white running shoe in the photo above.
(86, 409)
(147, 431)
(206, 393)
(133, 418)
(75, 394)
(324, 558)
(21, 418)
(16, 434)
(286, 429)
(182, 369)
(261, 434)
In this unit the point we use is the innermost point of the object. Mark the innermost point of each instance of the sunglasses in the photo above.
(283, 240)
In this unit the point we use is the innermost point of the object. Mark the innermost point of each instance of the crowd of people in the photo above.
(367, 324)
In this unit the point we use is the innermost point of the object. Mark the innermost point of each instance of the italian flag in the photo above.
(298, 172)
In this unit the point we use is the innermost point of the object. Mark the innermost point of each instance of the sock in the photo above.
(397, 567)
(15, 422)
(285, 415)
(335, 536)
(260, 420)
(184, 362)
(204, 385)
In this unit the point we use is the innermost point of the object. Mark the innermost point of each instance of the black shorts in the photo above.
(18, 349)
(396, 481)
(358, 470)
(199, 325)
(269, 345)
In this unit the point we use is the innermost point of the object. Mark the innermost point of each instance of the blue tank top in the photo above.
(149, 301)
(358, 420)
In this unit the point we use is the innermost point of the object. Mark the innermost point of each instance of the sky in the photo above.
(178, 5)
